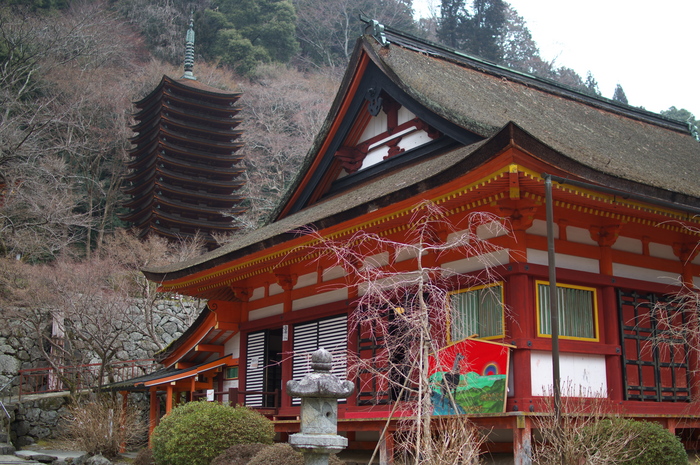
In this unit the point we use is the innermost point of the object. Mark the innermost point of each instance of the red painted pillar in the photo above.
(520, 321)
(168, 398)
(153, 413)
(610, 334)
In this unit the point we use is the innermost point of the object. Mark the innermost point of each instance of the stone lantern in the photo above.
(319, 392)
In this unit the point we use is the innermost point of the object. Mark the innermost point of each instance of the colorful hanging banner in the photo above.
(470, 376)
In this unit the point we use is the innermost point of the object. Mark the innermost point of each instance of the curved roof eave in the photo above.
(397, 186)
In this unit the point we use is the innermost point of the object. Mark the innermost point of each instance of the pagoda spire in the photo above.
(189, 52)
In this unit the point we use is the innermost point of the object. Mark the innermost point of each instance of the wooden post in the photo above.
(168, 398)
(386, 449)
(122, 421)
(153, 413)
(522, 441)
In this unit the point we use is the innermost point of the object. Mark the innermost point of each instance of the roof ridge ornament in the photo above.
(375, 29)
(189, 51)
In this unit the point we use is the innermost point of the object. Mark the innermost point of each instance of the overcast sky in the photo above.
(650, 48)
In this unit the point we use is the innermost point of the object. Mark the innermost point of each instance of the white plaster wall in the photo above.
(320, 299)
(661, 251)
(375, 156)
(233, 346)
(306, 280)
(415, 139)
(377, 260)
(580, 235)
(569, 262)
(539, 228)
(260, 313)
(644, 274)
(481, 262)
(628, 244)
(333, 273)
(582, 375)
(490, 230)
(258, 293)
(406, 253)
(405, 115)
(376, 126)
(275, 289)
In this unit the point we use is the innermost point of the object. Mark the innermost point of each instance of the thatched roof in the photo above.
(614, 139)
(598, 140)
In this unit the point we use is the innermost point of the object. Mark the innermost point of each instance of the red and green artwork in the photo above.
(470, 376)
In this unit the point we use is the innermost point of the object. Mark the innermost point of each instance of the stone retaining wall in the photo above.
(33, 420)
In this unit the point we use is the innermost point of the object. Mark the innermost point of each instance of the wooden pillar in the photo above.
(520, 215)
(168, 398)
(386, 449)
(287, 281)
(521, 328)
(605, 236)
(522, 441)
(686, 253)
(122, 420)
(609, 318)
(153, 412)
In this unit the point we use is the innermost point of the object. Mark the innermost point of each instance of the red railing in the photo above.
(48, 379)
(237, 397)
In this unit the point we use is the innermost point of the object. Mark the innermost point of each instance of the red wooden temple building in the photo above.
(415, 122)
(185, 167)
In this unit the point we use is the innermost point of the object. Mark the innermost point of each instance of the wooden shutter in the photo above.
(255, 368)
(329, 333)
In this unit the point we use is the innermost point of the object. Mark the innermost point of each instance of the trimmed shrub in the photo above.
(648, 442)
(657, 444)
(196, 432)
(283, 454)
(240, 454)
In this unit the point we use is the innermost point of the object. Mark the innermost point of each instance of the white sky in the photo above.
(650, 48)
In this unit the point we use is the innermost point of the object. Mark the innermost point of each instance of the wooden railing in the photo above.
(238, 397)
(48, 379)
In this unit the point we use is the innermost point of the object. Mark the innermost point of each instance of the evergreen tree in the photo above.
(619, 95)
(453, 16)
(477, 30)
(242, 33)
(592, 85)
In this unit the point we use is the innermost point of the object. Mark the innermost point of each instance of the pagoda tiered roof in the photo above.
(185, 167)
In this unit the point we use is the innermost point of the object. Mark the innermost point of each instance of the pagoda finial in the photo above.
(189, 51)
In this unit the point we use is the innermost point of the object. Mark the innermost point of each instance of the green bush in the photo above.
(196, 432)
(283, 454)
(650, 442)
(657, 444)
(240, 454)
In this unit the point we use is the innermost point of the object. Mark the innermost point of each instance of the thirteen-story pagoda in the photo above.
(185, 167)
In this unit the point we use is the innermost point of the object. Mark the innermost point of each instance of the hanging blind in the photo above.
(576, 307)
(477, 311)
(255, 368)
(329, 333)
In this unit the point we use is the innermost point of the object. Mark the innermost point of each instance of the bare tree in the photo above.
(589, 432)
(64, 94)
(282, 111)
(403, 302)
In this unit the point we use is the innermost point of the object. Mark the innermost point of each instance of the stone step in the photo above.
(7, 449)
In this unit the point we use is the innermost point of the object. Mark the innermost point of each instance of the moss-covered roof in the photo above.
(599, 140)
(624, 142)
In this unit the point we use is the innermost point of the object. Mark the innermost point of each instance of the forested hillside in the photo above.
(69, 71)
